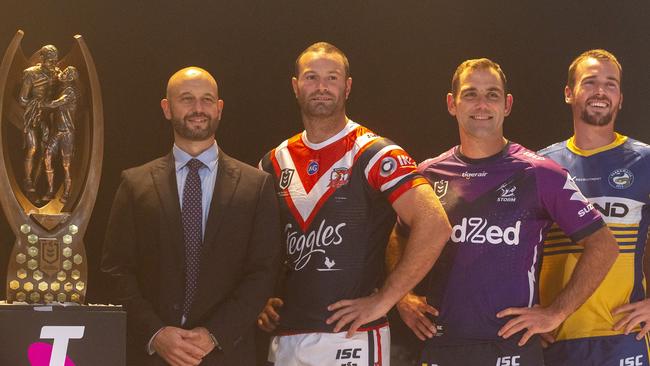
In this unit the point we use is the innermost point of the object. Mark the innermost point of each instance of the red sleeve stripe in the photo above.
(390, 184)
(394, 195)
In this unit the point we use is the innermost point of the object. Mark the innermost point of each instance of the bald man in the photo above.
(192, 244)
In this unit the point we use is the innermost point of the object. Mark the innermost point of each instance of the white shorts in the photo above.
(368, 347)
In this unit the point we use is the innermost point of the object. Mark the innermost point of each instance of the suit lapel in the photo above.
(224, 187)
(164, 179)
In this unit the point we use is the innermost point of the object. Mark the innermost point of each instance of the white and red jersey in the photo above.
(335, 198)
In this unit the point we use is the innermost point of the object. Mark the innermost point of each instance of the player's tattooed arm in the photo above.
(419, 209)
(637, 314)
(600, 252)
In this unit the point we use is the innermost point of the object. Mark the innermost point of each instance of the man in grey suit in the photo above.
(192, 245)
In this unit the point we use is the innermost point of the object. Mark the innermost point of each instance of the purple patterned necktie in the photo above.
(192, 220)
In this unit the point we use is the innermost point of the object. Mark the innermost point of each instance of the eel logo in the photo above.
(621, 178)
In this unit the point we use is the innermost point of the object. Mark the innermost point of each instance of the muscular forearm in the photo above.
(411, 259)
(396, 244)
(600, 252)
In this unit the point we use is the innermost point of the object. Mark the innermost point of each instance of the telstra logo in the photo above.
(55, 354)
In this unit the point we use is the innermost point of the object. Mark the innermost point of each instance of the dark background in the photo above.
(402, 56)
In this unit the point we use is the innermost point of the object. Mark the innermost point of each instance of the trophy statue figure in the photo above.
(50, 120)
(61, 137)
(37, 88)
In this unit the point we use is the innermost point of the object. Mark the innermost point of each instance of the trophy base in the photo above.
(48, 267)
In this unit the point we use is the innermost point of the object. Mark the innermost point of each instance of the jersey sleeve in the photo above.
(565, 204)
(266, 164)
(391, 170)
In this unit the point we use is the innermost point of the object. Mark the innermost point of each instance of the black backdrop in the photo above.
(402, 56)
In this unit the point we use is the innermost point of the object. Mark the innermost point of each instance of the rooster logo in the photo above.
(329, 264)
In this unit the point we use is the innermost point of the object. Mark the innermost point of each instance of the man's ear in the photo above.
(164, 104)
(348, 87)
(568, 95)
(451, 104)
(294, 85)
(509, 100)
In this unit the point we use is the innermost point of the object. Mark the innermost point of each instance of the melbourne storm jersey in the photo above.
(500, 209)
(335, 198)
(615, 178)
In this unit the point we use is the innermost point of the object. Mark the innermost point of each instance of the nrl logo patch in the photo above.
(440, 188)
(285, 178)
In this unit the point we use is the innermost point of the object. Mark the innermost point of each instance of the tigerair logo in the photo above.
(476, 230)
(470, 175)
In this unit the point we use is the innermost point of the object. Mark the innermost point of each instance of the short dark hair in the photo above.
(326, 48)
(476, 64)
(598, 54)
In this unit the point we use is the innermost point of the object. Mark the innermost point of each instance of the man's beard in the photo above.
(193, 134)
(598, 120)
(319, 109)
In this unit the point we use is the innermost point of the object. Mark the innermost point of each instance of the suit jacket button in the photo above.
(176, 307)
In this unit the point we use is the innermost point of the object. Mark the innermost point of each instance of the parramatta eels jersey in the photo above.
(616, 179)
(500, 209)
(335, 197)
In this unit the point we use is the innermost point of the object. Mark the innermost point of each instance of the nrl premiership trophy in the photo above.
(51, 146)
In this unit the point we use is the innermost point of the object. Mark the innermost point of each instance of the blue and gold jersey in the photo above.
(615, 179)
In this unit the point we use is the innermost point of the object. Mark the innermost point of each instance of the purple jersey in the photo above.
(500, 209)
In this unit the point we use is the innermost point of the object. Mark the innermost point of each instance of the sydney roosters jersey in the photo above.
(335, 198)
(500, 209)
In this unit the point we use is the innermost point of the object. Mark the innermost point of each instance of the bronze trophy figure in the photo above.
(37, 88)
(61, 137)
(51, 120)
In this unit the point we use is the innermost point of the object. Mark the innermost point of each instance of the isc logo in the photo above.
(508, 361)
(631, 361)
(347, 353)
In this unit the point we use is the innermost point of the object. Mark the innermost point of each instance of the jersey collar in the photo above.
(618, 140)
